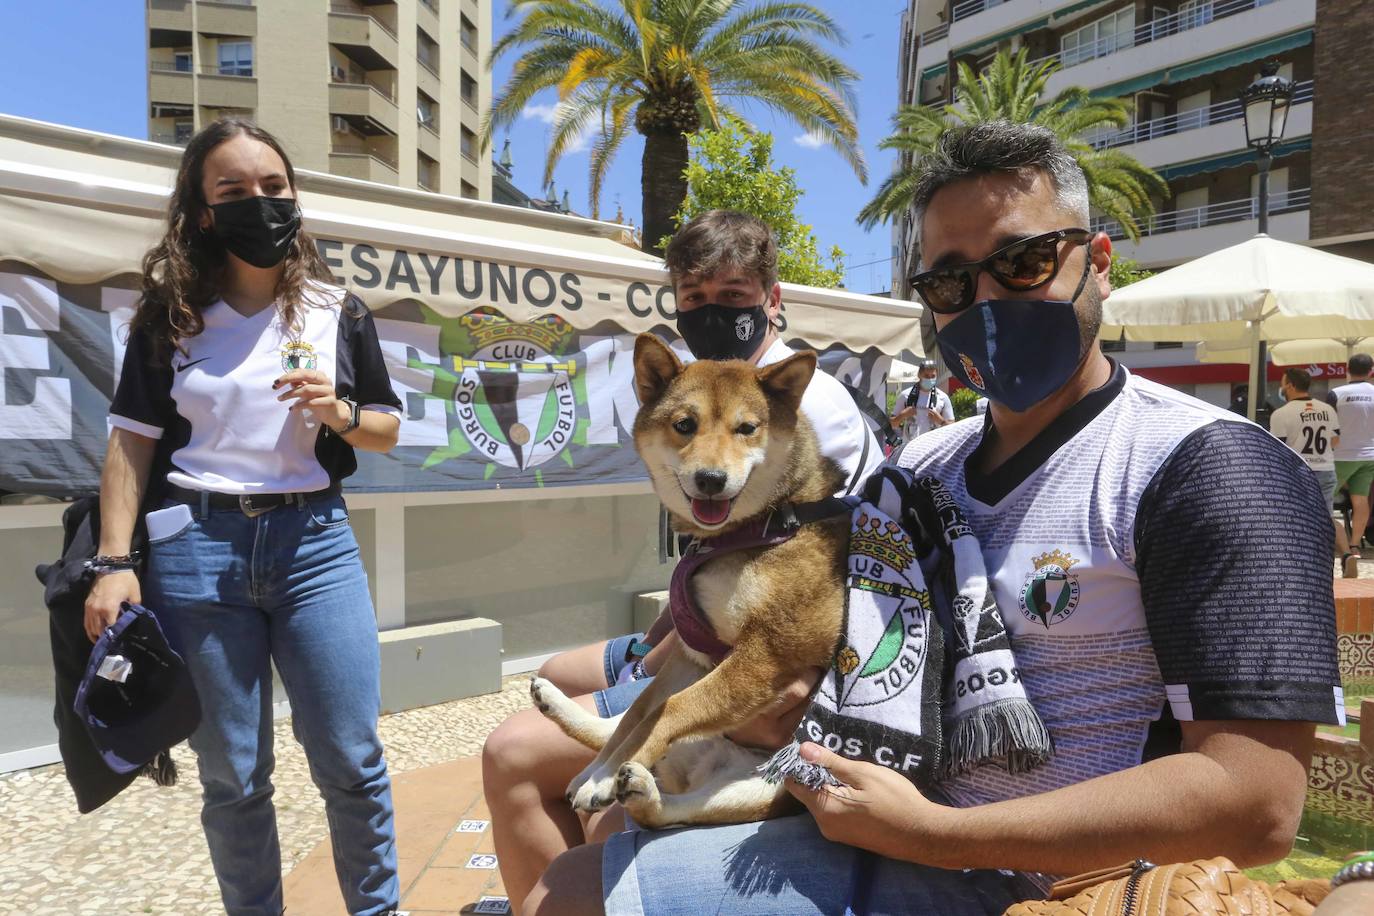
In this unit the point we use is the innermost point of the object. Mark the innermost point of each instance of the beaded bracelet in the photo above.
(102, 563)
(1359, 867)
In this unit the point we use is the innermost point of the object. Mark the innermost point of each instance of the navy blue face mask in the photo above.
(1016, 352)
(714, 331)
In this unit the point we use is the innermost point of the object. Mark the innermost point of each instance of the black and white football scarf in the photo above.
(923, 680)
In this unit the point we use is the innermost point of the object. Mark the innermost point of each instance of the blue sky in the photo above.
(83, 62)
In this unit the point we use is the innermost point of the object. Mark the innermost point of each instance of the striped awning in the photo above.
(1213, 64)
(1216, 163)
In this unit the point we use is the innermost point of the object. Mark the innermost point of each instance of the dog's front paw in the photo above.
(633, 783)
(539, 688)
(595, 793)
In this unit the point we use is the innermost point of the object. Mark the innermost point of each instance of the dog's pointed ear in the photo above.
(655, 367)
(786, 381)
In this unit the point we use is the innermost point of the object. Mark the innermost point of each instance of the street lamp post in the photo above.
(1266, 103)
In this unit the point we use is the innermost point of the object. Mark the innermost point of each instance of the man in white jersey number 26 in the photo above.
(1354, 403)
(1312, 429)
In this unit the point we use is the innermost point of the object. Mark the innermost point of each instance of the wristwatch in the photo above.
(354, 417)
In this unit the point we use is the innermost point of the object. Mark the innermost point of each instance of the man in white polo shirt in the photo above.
(1312, 429)
(1354, 403)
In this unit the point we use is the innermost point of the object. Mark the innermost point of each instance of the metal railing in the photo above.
(167, 66)
(428, 62)
(168, 137)
(973, 7)
(1153, 30)
(430, 124)
(236, 70)
(1217, 113)
(1230, 211)
(935, 34)
(230, 2)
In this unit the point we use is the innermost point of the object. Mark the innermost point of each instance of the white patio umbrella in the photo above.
(1260, 290)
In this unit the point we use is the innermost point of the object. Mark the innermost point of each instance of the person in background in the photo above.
(924, 405)
(1354, 403)
(248, 383)
(1312, 429)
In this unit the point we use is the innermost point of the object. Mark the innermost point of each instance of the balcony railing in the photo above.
(167, 66)
(935, 34)
(1231, 211)
(1229, 110)
(1150, 31)
(972, 8)
(243, 70)
(430, 124)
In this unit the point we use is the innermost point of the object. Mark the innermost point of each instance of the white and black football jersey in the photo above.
(213, 408)
(1140, 549)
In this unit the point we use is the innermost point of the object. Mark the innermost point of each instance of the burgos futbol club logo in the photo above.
(514, 395)
(887, 649)
(1050, 594)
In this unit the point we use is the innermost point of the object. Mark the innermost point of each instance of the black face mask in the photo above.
(714, 331)
(258, 230)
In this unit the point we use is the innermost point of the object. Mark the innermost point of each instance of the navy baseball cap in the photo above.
(136, 697)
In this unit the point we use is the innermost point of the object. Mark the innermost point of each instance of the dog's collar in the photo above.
(778, 526)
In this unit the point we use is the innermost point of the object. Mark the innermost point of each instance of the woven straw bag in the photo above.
(1204, 887)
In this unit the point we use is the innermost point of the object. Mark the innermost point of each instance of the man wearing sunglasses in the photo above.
(1139, 545)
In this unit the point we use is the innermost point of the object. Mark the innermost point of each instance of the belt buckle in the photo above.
(246, 506)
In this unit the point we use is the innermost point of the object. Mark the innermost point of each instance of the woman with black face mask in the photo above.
(249, 379)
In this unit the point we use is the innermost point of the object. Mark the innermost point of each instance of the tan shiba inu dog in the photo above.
(725, 444)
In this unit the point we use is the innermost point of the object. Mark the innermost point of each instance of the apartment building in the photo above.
(1183, 64)
(390, 91)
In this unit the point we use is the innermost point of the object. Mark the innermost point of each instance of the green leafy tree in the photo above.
(732, 168)
(1124, 272)
(965, 403)
(1011, 88)
(666, 68)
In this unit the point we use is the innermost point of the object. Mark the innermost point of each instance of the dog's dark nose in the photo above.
(709, 483)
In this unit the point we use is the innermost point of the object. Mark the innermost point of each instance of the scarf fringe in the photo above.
(162, 769)
(787, 763)
(1008, 730)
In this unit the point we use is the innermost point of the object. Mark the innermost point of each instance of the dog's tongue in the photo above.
(710, 511)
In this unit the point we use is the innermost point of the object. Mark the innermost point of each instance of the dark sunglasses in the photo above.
(1024, 265)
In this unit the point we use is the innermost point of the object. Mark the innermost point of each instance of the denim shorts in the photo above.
(616, 698)
(784, 865)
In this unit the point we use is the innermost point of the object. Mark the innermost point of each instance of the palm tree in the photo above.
(668, 67)
(1119, 187)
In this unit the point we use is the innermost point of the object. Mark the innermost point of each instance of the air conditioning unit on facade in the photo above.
(339, 125)
(338, 74)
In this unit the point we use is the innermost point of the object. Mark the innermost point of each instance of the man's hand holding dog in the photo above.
(876, 809)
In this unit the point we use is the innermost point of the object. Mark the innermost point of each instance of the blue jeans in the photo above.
(288, 586)
(784, 865)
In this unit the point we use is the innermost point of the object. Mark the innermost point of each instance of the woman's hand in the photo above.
(312, 389)
(108, 592)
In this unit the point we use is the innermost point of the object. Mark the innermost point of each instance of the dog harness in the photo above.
(780, 525)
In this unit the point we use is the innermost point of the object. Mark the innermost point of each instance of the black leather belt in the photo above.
(249, 504)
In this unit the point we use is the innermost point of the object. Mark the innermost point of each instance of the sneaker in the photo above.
(1350, 568)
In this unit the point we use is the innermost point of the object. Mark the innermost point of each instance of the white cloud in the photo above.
(549, 114)
(809, 140)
